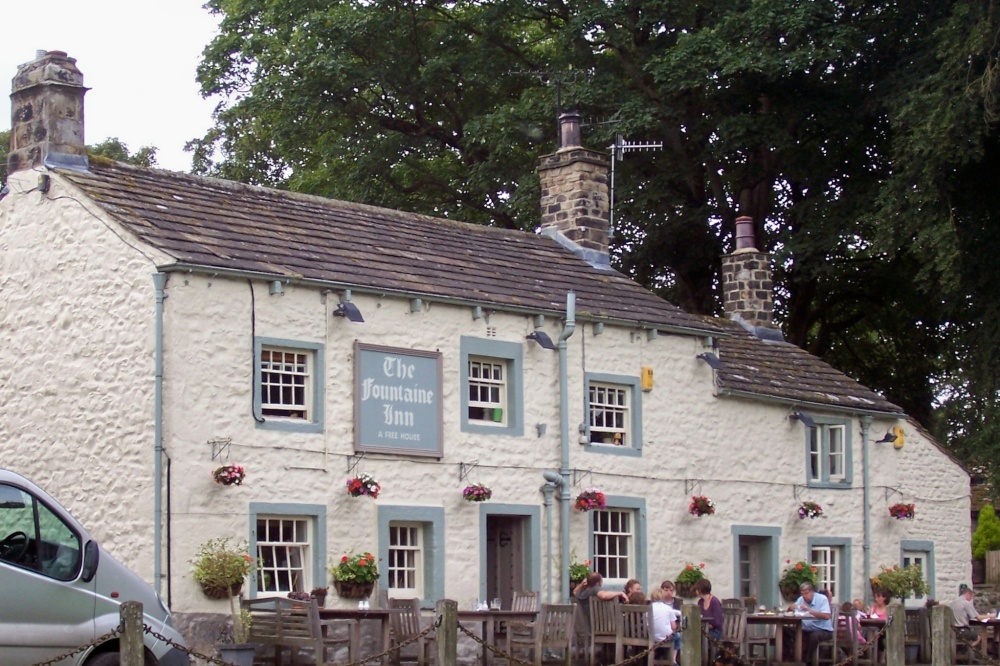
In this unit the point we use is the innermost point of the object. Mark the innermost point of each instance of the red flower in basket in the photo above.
(701, 506)
(591, 499)
(902, 511)
(363, 484)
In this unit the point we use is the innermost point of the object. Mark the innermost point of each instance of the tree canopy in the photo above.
(860, 135)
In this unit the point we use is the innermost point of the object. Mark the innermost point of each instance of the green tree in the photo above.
(4, 150)
(114, 149)
(859, 135)
(987, 534)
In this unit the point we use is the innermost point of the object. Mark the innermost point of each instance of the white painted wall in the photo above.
(76, 314)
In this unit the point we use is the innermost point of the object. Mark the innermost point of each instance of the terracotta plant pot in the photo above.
(350, 590)
(214, 592)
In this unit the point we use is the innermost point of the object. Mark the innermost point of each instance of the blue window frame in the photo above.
(397, 521)
(288, 540)
(832, 558)
(613, 414)
(492, 386)
(617, 536)
(288, 386)
(828, 453)
(920, 553)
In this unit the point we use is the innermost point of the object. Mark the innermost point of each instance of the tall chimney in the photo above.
(575, 194)
(47, 114)
(747, 290)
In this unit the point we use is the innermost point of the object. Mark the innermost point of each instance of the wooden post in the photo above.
(447, 632)
(691, 638)
(941, 635)
(131, 648)
(895, 636)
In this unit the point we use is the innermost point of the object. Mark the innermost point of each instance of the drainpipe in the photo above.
(866, 422)
(159, 282)
(564, 440)
(547, 490)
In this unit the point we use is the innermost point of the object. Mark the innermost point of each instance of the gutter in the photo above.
(374, 291)
(850, 411)
(160, 283)
(564, 469)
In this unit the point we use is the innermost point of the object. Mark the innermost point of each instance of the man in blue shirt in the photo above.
(817, 626)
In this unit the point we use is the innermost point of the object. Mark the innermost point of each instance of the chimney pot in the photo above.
(744, 233)
(569, 130)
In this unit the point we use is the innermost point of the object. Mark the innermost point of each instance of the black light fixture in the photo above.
(888, 438)
(349, 310)
(805, 417)
(712, 360)
(542, 338)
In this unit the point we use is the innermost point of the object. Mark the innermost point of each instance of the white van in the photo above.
(59, 590)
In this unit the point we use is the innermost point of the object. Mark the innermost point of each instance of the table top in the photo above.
(775, 618)
(492, 612)
(355, 613)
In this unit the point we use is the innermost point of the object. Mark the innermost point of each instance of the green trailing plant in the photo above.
(900, 582)
(798, 573)
(578, 570)
(220, 564)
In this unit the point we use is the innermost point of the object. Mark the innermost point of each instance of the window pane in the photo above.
(282, 555)
(284, 383)
(609, 414)
(613, 544)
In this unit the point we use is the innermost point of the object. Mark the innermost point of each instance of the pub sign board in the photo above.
(397, 400)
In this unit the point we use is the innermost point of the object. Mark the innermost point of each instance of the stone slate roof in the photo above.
(783, 371)
(220, 225)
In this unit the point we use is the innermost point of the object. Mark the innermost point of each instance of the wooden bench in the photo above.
(288, 623)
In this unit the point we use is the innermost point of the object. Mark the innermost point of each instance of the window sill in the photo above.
(612, 450)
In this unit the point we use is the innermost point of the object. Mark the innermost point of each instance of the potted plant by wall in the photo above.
(689, 575)
(793, 576)
(590, 499)
(238, 651)
(229, 475)
(363, 484)
(220, 567)
(810, 510)
(701, 506)
(477, 492)
(319, 594)
(900, 582)
(354, 575)
(903, 511)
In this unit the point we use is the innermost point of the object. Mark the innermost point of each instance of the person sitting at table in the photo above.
(591, 586)
(668, 598)
(964, 610)
(817, 626)
(637, 597)
(632, 585)
(847, 611)
(664, 620)
(860, 611)
(878, 609)
(710, 606)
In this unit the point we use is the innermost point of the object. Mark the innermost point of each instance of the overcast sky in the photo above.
(138, 57)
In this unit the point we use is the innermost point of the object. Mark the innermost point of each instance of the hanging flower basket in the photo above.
(354, 575)
(701, 506)
(477, 492)
(363, 484)
(687, 578)
(903, 511)
(230, 475)
(810, 510)
(590, 499)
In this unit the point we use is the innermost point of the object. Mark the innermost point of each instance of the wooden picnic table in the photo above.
(781, 620)
(357, 616)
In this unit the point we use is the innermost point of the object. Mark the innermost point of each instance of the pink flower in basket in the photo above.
(591, 499)
(229, 475)
(701, 506)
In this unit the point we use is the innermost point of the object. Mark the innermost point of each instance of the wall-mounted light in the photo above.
(542, 338)
(276, 288)
(582, 439)
(712, 360)
(805, 417)
(349, 310)
(888, 438)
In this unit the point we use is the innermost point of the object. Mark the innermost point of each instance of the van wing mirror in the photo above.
(91, 558)
(11, 498)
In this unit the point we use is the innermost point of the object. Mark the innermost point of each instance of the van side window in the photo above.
(33, 537)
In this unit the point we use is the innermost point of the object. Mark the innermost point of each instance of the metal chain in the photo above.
(495, 650)
(97, 641)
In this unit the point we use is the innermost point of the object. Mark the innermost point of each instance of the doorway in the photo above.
(505, 557)
(756, 564)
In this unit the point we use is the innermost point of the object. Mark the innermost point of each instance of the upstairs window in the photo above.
(288, 385)
(492, 386)
(828, 454)
(614, 414)
(487, 391)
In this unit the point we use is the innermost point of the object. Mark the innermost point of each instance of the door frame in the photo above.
(768, 583)
(532, 541)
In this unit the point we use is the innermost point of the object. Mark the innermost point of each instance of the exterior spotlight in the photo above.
(349, 310)
(889, 438)
(805, 417)
(712, 360)
(541, 338)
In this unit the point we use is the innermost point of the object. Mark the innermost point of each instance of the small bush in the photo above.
(987, 535)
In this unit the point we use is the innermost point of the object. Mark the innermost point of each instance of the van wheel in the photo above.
(113, 659)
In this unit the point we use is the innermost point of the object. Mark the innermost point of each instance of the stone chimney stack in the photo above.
(47, 114)
(575, 194)
(746, 280)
